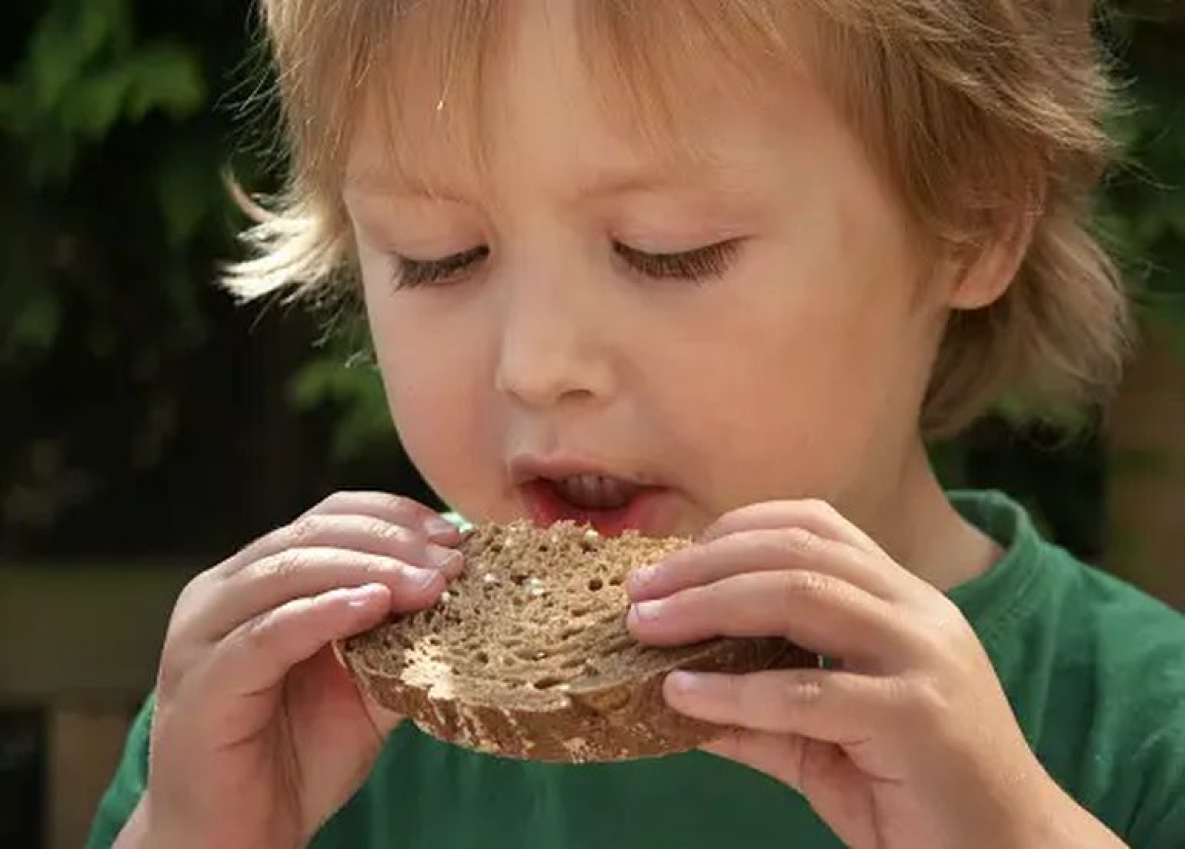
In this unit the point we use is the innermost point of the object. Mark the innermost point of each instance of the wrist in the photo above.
(144, 829)
(1059, 822)
(147, 829)
(134, 834)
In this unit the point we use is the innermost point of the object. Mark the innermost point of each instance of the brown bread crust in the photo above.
(614, 716)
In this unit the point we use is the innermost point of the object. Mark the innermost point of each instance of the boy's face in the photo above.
(790, 362)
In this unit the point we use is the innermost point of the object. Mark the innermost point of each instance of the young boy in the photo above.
(712, 269)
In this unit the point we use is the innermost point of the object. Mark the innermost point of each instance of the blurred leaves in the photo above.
(84, 72)
(111, 155)
(353, 390)
(85, 80)
(1143, 210)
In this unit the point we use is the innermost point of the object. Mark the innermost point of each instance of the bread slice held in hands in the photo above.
(527, 654)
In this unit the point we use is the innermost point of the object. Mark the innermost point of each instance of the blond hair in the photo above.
(979, 112)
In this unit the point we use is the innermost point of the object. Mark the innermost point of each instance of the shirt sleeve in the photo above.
(1153, 777)
(1158, 820)
(126, 788)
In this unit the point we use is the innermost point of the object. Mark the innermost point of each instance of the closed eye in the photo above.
(696, 265)
(699, 264)
(411, 273)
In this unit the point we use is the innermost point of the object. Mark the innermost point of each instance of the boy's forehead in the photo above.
(440, 127)
(405, 149)
(390, 164)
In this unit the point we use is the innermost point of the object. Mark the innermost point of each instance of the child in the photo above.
(712, 269)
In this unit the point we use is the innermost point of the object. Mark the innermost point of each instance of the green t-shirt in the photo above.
(1095, 671)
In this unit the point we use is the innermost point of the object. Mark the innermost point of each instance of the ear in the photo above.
(986, 272)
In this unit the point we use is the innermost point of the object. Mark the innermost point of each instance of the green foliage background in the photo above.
(125, 375)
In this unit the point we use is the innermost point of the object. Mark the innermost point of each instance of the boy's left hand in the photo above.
(910, 742)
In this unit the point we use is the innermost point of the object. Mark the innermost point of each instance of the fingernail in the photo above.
(684, 683)
(420, 578)
(359, 597)
(639, 579)
(444, 559)
(648, 610)
(440, 528)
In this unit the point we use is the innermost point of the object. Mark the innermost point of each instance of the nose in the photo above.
(551, 348)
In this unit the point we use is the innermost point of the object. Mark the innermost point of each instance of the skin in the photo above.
(799, 372)
(776, 403)
(249, 690)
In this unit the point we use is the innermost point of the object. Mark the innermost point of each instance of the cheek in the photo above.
(772, 420)
(434, 393)
(799, 379)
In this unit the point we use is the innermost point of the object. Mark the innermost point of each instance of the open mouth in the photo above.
(596, 492)
(610, 505)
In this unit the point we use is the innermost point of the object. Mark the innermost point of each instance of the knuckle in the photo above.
(390, 532)
(333, 500)
(399, 505)
(803, 691)
(177, 652)
(187, 609)
(378, 569)
(169, 674)
(304, 530)
(235, 562)
(821, 510)
(946, 631)
(178, 660)
(799, 588)
(799, 544)
(283, 564)
(918, 700)
(799, 585)
(948, 620)
(254, 636)
(258, 635)
(192, 592)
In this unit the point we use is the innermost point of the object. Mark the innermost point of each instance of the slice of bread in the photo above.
(527, 654)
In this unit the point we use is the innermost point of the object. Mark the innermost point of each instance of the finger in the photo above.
(258, 654)
(395, 509)
(762, 551)
(373, 535)
(834, 706)
(819, 519)
(819, 612)
(777, 755)
(302, 572)
(813, 515)
(836, 788)
(365, 534)
(387, 512)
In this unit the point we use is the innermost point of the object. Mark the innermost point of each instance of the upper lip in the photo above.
(528, 467)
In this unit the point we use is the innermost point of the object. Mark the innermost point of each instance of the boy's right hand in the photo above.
(259, 734)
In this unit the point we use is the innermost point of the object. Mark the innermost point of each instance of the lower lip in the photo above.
(644, 513)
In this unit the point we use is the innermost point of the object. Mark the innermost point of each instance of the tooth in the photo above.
(595, 491)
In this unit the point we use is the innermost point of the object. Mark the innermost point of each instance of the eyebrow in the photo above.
(691, 177)
(679, 176)
(373, 182)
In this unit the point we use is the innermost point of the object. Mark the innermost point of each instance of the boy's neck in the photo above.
(918, 526)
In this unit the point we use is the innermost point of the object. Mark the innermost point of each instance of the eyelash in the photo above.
(414, 273)
(696, 265)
